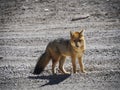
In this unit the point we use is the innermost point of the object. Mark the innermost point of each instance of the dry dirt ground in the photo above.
(26, 27)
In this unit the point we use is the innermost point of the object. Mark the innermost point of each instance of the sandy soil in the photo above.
(26, 27)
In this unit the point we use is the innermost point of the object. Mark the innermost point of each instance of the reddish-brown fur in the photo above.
(57, 51)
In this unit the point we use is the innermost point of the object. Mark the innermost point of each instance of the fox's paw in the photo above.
(83, 71)
(67, 73)
(64, 72)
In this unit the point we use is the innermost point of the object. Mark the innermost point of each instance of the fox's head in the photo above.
(77, 39)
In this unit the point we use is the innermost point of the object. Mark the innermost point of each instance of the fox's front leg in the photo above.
(74, 63)
(80, 59)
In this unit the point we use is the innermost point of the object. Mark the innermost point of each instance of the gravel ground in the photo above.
(27, 26)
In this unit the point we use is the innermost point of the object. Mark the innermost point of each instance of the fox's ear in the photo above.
(71, 33)
(82, 32)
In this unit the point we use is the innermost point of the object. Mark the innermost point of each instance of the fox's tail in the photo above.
(42, 63)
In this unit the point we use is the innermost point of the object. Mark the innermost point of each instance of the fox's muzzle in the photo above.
(77, 44)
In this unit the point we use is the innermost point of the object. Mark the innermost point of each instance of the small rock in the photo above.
(46, 9)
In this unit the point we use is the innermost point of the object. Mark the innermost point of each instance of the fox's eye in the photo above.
(74, 40)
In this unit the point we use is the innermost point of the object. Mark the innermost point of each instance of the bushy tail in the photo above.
(42, 63)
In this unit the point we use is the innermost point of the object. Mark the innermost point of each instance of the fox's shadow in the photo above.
(53, 79)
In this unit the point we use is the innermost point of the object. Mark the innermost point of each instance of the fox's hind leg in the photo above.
(54, 62)
(61, 65)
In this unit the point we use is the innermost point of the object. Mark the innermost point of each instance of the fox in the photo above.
(57, 51)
